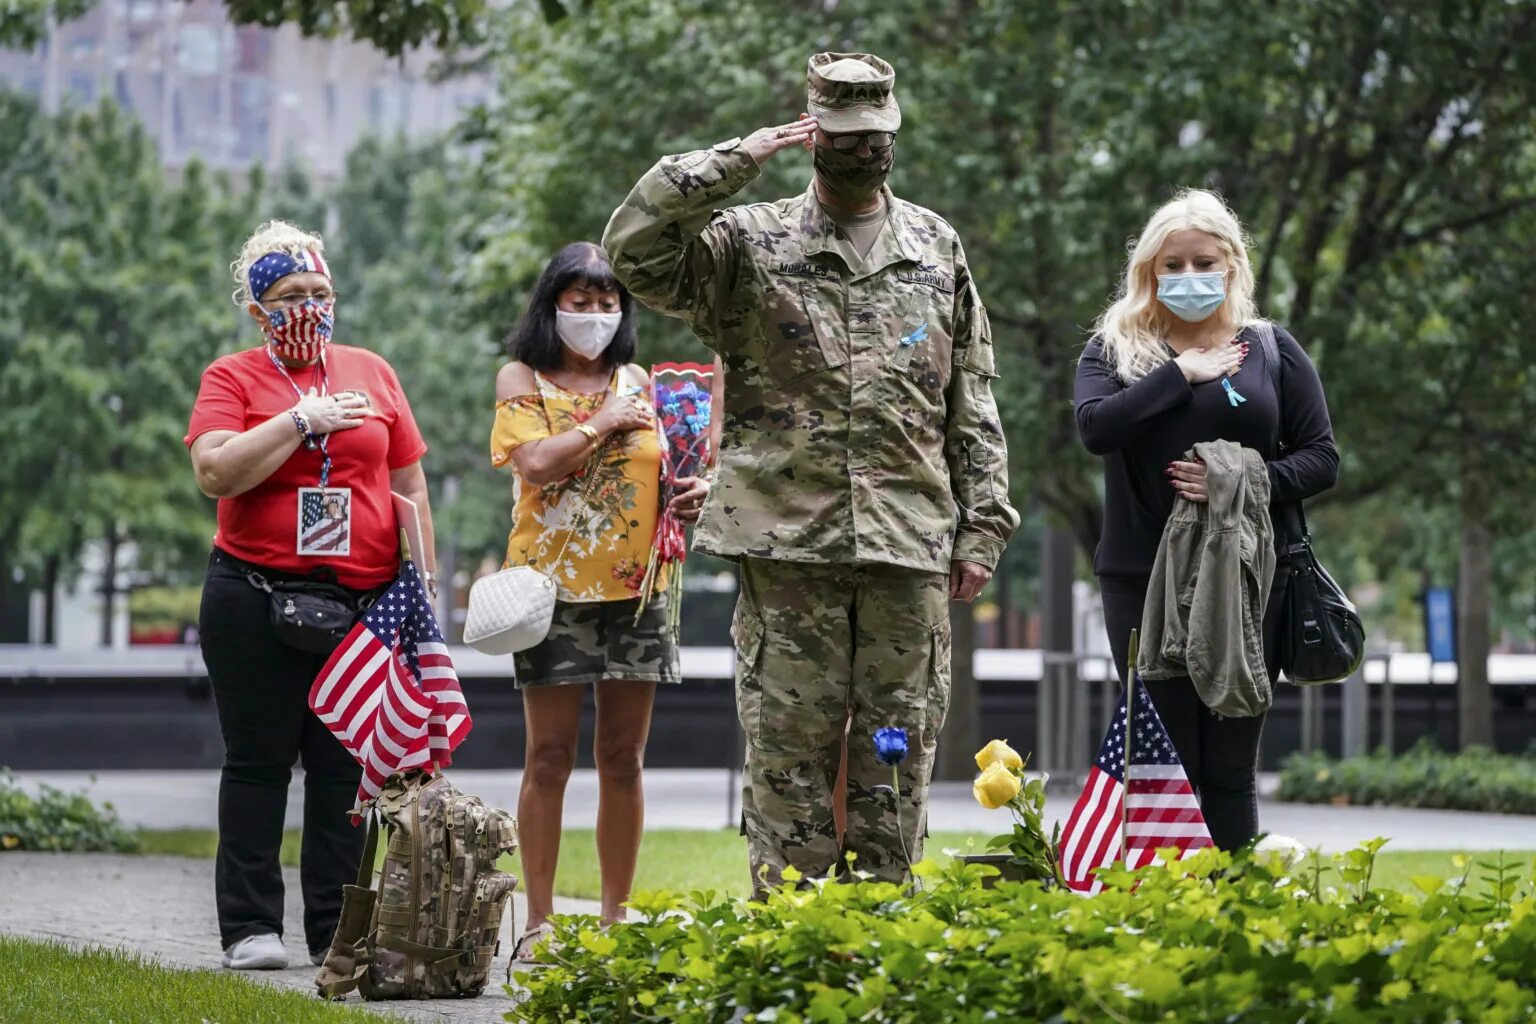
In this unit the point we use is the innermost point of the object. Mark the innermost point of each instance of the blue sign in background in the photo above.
(1440, 623)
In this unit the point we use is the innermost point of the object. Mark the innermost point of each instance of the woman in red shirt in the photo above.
(301, 441)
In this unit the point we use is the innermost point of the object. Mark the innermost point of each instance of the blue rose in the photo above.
(890, 746)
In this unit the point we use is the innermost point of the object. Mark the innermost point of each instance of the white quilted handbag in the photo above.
(509, 611)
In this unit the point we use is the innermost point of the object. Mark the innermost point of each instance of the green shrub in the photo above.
(1209, 939)
(1474, 780)
(55, 820)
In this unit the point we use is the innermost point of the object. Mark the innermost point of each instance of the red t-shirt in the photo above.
(244, 390)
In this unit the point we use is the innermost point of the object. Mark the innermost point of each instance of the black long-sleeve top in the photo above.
(1141, 427)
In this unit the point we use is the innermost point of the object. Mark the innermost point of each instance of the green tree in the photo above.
(1370, 146)
(25, 23)
(398, 265)
(451, 26)
(115, 302)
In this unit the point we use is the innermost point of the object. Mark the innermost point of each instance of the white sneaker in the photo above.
(257, 953)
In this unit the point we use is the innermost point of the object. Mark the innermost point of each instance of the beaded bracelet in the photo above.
(302, 422)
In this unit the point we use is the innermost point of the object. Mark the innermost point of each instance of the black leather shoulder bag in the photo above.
(1322, 637)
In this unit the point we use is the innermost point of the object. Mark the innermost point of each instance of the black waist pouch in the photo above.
(311, 615)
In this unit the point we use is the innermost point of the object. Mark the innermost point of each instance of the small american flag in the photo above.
(1157, 808)
(325, 523)
(389, 692)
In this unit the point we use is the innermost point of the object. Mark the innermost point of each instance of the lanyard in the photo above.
(325, 389)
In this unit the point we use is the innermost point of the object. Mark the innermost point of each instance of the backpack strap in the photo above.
(1271, 350)
(349, 948)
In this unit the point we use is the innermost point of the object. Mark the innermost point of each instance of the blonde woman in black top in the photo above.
(1175, 360)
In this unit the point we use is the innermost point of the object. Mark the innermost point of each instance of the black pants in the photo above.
(261, 688)
(1220, 755)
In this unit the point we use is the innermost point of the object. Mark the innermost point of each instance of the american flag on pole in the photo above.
(389, 692)
(1140, 788)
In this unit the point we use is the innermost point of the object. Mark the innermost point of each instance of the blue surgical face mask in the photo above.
(1192, 297)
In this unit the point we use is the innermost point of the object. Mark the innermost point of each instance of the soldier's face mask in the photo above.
(853, 176)
(587, 334)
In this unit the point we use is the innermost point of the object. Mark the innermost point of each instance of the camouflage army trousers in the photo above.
(816, 644)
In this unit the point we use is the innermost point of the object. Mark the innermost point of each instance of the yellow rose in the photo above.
(995, 786)
(10, 842)
(998, 752)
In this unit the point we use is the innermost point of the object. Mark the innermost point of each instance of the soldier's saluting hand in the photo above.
(862, 478)
(765, 142)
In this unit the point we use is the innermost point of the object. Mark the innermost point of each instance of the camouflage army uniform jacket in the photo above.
(859, 423)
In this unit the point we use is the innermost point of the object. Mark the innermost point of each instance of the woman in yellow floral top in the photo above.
(575, 419)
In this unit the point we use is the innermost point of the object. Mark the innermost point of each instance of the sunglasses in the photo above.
(850, 141)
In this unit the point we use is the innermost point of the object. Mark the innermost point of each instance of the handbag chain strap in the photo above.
(586, 489)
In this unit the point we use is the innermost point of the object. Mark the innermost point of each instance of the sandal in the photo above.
(528, 947)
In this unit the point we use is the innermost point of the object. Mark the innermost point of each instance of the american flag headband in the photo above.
(275, 266)
(325, 389)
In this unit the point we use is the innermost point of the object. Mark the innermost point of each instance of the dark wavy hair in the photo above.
(534, 343)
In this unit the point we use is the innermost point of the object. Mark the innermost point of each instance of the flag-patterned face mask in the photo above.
(297, 333)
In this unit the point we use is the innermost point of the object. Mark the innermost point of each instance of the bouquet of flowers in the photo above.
(683, 414)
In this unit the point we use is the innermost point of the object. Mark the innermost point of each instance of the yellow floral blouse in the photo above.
(611, 545)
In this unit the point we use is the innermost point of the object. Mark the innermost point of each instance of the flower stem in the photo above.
(901, 835)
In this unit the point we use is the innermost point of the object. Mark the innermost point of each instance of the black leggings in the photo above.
(261, 689)
(1220, 755)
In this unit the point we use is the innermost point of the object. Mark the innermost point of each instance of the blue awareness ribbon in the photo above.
(1232, 395)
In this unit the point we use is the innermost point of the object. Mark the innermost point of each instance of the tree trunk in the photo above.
(1057, 741)
(14, 626)
(109, 585)
(51, 600)
(1002, 585)
(961, 736)
(1473, 619)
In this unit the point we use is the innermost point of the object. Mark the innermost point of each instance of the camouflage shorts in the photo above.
(588, 643)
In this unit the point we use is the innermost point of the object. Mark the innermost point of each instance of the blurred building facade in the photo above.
(234, 96)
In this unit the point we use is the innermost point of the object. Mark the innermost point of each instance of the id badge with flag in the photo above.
(325, 520)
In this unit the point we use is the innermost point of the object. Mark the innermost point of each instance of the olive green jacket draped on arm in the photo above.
(1204, 615)
(859, 423)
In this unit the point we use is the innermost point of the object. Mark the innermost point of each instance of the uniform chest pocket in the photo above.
(797, 340)
(924, 347)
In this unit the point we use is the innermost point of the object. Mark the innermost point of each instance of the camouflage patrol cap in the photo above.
(851, 92)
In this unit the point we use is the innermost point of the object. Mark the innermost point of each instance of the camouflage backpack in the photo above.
(432, 927)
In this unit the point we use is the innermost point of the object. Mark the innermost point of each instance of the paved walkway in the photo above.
(162, 907)
(702, 799)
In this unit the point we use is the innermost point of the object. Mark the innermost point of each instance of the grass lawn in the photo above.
(683, 860)
(46, 981)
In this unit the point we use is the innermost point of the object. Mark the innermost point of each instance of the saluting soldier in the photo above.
(862, 477)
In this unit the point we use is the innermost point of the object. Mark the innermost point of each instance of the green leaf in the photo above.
(598, 943)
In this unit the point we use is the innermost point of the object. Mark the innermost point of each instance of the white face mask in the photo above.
(587, 334)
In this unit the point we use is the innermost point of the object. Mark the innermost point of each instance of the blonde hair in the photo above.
(273, 236)
(1133, 328)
